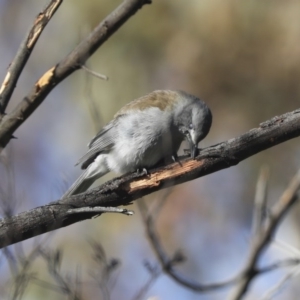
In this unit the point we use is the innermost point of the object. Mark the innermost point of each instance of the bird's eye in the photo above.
(191, 126)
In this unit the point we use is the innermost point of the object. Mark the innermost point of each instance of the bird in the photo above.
(142, 134)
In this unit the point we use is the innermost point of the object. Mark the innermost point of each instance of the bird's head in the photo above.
(194, 120)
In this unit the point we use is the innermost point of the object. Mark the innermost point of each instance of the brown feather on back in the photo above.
(163, 100)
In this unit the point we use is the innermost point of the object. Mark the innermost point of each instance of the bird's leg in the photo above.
(175, 159)
(142, 171)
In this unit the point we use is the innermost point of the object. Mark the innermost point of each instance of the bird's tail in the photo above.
(85, 180)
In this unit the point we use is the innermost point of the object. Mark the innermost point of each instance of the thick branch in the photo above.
(67, 66)
(123, 190)
(16, 67)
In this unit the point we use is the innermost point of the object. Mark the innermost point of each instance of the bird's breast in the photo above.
(143, 140)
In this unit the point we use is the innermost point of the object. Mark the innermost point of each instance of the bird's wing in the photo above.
(104, 137)
(162, 99)
(102, 142)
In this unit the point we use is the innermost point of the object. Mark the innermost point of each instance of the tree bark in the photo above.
(124, 190)
(72, 62)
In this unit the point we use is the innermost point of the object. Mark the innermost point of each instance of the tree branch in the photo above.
(16, 67)
(263, 237)
(124, 190)
(97, 75)
(72, 62)
(260, 201)
(168, 263)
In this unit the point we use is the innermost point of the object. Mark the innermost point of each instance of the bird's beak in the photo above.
(193, 149)
(193, 145)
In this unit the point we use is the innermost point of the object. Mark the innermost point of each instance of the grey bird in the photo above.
(143, 133)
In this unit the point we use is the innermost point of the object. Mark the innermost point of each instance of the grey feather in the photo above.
(143, 133)
(80, 185)
(102, 138)
(94, 171)
(102, 142)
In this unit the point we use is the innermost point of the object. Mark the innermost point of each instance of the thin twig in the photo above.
(72, 62)
(262, 237)
(287, 248)
(262, 240)
(104, 269)
(289, 262)
(168, 264)
(155, 272)
(260, 200)
(98, 75)
(53, 261)
(100, 210)
(47, 285)
(22, 277)
(11, 259)
(275, 289)
(128, 188)
(16, 67)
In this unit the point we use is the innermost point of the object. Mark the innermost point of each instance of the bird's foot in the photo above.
(142, 171)
(175, 159)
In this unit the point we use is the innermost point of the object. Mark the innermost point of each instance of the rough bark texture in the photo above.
(72, 62)
(17, 65)
(124, 190)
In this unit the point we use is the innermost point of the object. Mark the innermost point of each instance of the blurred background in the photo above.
(241, 57)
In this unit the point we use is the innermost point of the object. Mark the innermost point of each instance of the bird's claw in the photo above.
(175, 159)
(142, 171)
